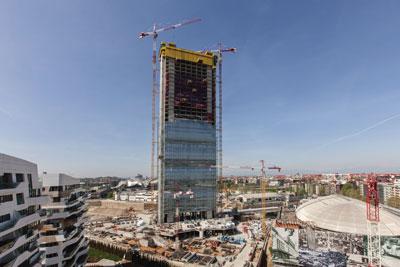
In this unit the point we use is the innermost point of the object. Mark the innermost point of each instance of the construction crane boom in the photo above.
(154, 33)
(156, 30)
(275, 168)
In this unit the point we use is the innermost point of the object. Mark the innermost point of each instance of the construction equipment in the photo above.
(374, 238)
(275, 168)
(264, 188)
(154, 33)
(219, 51)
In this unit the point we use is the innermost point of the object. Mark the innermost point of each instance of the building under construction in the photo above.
(187, 135)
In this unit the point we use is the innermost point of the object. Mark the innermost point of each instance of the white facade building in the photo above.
(392, 190)
(20, 201)
(62, 235)
(136, 196)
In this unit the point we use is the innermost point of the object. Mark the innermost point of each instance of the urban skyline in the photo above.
(75, 82)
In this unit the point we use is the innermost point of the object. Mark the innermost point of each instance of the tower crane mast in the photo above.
(154, 34)
(264, 188)
(221, 49)
(374, 238)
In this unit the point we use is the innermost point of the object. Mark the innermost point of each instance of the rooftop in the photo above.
(342, 214)
(259, 195)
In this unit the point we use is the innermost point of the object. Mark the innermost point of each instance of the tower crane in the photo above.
(154, 33)
(264, 187)
(219, 51)
(374, 238)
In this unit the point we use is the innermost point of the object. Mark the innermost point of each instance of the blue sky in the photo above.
(314, 86)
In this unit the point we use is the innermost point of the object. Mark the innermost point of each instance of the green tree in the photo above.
(348, 190)
(110, 195)
(301, 192)
(394, 202)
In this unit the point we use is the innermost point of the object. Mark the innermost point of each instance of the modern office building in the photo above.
(187, 135)
(62, 235)
(20, 216)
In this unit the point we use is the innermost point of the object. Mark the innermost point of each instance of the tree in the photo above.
(394, 202)
(301, 192)
(110, 195)
(348, 190)
(322, 191)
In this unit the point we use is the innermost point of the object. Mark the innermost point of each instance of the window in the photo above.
(52, 255)
(19, 177)
(56, 188)
(6, 178)
(6, 198)
(20, 198)
(4, 218)
(56, 199)
(32, 193)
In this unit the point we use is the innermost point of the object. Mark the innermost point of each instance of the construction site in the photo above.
(195, 218)
(187, 224)
(206, 242)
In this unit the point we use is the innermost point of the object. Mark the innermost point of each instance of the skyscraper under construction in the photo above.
(187, 135)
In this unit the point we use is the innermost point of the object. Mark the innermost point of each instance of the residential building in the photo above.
(187, 135)
(62, 235)
(20, 216)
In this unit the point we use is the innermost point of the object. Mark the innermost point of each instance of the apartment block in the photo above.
(20, 214)
(62, 235)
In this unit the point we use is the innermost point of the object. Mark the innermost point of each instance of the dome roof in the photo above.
(342, 214)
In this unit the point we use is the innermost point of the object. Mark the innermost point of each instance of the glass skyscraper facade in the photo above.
(187, 135)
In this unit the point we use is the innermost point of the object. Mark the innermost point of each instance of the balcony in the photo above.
(71, 250)
(12, 244)
(18, 221)
(9, 185)
(75, 238)
(79, 259)
(20, 255)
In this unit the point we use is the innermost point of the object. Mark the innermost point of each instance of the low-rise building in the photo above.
(136, 196)
(62, 235)
(254, 200)
(20, 216)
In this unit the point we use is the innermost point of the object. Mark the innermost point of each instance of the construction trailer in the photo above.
(187, 145)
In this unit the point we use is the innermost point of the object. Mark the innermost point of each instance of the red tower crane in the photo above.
(374, 239)
(154, 33)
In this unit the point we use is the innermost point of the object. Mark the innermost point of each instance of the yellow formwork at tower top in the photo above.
(170, 50)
